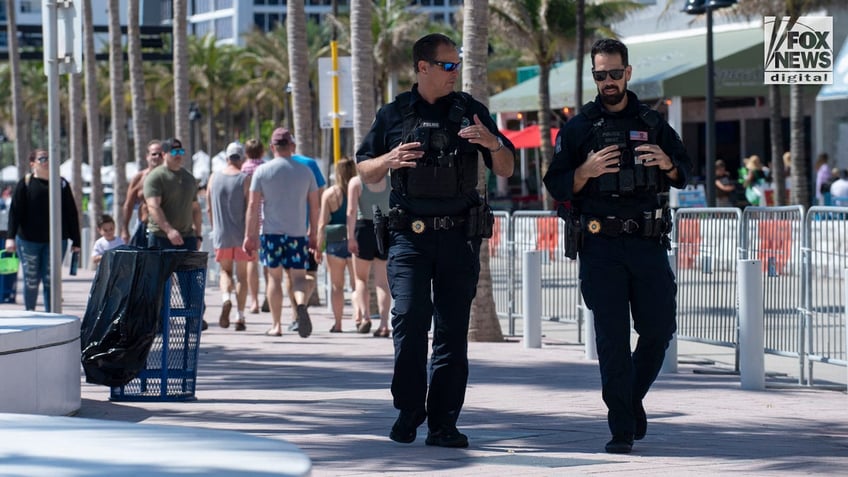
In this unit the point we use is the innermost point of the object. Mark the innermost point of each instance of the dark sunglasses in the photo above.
(42, 159)
(602, 75)
(447, 65)
(156, 154)
(177, 152)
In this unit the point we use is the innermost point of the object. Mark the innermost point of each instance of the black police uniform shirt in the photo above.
(573, 144)
(387, 133)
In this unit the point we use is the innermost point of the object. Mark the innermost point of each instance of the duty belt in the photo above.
(421, 224)
(611, 226)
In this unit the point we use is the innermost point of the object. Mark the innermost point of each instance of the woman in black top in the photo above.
(29, 226)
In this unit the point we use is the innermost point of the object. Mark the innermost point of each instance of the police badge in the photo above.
(418, 226)
(594, 226)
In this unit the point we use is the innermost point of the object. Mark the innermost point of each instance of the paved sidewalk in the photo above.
(534, 412)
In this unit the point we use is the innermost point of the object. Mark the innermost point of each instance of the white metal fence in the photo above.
(804, 256)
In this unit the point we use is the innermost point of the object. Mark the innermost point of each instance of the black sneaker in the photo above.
(641, 421)
(619, 445)
(204, 325)
(304, 324)
(405, 428)
(446, 436)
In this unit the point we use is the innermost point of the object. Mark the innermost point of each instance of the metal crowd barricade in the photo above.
(501, 264)
(826, 257)
(774, 235)
(543, 230)
(705, 242)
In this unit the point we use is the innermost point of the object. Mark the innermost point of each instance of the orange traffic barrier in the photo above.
(688, 242)
(496, 237)
(547, 233)
(775, 244)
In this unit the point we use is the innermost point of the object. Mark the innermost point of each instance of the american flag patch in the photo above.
(638, 135)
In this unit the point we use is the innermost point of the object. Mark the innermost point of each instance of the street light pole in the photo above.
(697, 7)
(709, 149)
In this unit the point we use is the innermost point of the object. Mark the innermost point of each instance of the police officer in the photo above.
(615, 162)
(428, 139)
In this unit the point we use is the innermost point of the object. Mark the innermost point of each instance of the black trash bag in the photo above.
(123, 315)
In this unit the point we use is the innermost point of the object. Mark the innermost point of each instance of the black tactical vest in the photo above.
(627, 133)
(449, 165)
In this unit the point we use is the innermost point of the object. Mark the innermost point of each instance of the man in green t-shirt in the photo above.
(170, 192)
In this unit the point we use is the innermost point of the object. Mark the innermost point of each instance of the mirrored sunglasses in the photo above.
(42, 159)
(602, 75)
(447, 65)
(177, 152)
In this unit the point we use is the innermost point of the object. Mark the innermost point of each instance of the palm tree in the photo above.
(181, 97)
(119, 114)
(92, 112)
(484, 324)
(299, 68)
(18, 114)
(141, 133)
(362, 68)
(267, 56)
(394, 29)
(543, 27)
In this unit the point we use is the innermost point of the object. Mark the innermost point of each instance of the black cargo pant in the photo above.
(621, 276)
(448, 264)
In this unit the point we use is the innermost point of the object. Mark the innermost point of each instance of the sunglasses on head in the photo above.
(602, 75)
(42, 159)
(448, 66)
(177, 152)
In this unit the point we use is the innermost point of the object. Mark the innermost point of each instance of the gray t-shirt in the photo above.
(228, 209)
(285, 185)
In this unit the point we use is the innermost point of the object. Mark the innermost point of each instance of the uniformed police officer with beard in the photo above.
(613, 165)
(429, 139)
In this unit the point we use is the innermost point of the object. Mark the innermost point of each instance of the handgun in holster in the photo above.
(573, 230)
(381, 230)
(481, 221)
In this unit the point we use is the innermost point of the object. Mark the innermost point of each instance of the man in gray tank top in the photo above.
(227, 207)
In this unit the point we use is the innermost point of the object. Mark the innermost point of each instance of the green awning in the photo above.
(661, 69)
(839, 88)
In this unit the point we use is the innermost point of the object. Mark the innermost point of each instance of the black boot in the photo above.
(405, 428)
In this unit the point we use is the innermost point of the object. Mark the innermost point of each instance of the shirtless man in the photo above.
(135, 195)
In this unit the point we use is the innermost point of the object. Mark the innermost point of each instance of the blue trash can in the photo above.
(170, 372)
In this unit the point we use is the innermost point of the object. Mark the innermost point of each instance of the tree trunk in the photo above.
(484, 325)
(18, 114)
(776, 138)
(800, 168)
(119, 114)
(299, 68)
(546, 150)
(92, 111)
(141, 130)
(580, 19)
(362, 68)
(75, 130)
(181, 93)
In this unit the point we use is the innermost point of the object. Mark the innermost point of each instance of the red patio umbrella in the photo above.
(528, 138)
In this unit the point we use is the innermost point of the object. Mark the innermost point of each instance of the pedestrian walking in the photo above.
(107, 241)
(135, 197)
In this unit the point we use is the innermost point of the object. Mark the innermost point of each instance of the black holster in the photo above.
(573, 230)
(381, 230)
(481, 221)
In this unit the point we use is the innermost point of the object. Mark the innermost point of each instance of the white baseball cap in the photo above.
(235, 149)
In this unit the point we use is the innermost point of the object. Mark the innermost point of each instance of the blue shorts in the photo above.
(338, 249)
(284, 251)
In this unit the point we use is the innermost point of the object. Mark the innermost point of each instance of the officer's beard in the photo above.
(613, 99)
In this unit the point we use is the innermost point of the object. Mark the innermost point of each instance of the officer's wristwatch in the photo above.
(500, 145)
